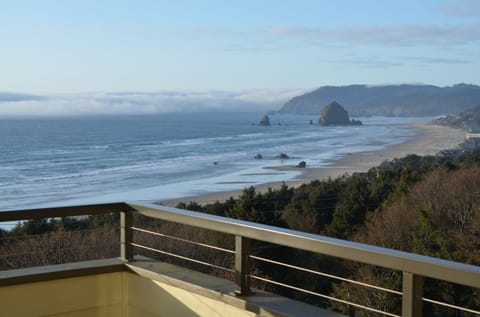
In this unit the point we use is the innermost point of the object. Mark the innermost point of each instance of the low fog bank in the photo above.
(15, 104)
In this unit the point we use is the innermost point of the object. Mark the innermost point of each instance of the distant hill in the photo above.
(390, 100)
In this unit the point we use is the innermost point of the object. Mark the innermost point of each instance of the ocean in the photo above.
(80, 160)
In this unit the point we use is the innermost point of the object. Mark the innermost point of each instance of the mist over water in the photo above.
(45, 162)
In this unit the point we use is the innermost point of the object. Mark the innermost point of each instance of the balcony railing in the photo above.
(414, 268)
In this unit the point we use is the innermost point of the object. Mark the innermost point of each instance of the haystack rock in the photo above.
(335, 114)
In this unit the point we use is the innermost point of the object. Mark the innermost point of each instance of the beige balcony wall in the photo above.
(104, 295)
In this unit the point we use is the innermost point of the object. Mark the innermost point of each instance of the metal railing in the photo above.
(415, 268)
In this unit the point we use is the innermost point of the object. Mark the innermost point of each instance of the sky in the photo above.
(70, 46)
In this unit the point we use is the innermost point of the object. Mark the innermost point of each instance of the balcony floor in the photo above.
(261, 303)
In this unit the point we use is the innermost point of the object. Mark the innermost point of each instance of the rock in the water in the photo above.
(335, 114)
(265, 121)
(355, 122)
(258, 156)
(302, 164)
(282, 156)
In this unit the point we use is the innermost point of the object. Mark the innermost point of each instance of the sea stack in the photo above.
(335, 114)
(265, 121)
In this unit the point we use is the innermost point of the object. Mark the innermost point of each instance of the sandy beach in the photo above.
(429, 140)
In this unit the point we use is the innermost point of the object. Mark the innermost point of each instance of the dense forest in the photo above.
(428, 205)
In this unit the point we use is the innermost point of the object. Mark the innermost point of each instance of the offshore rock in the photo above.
(265, 121)
(282, 156)
(302, 164)
(335, 114)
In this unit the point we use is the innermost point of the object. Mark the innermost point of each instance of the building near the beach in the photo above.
(472, 141)
(473, 136)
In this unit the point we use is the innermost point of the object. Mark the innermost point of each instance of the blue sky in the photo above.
(151, 46)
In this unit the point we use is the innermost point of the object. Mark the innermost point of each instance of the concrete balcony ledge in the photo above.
(60, 271)
(260, 303)
(140, 288)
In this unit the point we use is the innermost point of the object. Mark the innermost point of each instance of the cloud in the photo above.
(391, 36)
(248, 46)
(462, 8)
(395, 35)
(212, 31)
(282, 37)
(146, 103)
(224, 38)
(196, 32)
(15, 97)
(269, 96)
(385, 62)
(367, 62)
(437, 60)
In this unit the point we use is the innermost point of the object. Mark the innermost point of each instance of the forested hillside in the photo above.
(388, 100)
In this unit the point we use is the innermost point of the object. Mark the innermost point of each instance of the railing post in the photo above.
(412, 303)
(126, 235)
(242, 265)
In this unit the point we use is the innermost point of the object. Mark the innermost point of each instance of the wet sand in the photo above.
(429, 140)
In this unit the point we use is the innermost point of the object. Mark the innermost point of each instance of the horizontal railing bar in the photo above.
(27, 214)
(440, 269)
(182, 257)
(263, 247)
(323, 296)
(183, 240)
(326, 275)
(467, 310)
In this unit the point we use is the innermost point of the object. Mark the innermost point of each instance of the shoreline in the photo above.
(428, 140)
